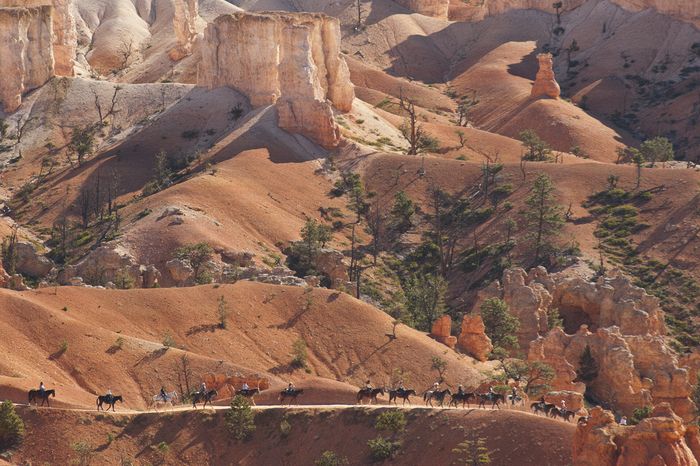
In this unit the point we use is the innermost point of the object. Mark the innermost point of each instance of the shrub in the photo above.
(63, 347)
(330, 458)
(299, 354)
(393, 420)
(190, 134)
(84, 451)
(381, 448)
(223, 312)
(285, 428)
(240, 419)
(11, 426)
(639, 414)
(168, 341)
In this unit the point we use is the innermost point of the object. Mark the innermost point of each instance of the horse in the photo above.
(206, 397)
(462, 397)
(291, 394)
(541, 407)
(565, 414)
(372, 394)
(110, 400)
(249, 393)
(582, 420)
(516, 399)
(495, 398)
(438, 395)
(170, 397)
(36, 394)
(401, 393)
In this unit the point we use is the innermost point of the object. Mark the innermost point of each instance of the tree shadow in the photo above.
(211, 328)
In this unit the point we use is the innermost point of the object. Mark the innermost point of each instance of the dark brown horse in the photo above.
(541, 407)
(36, 395)
(565, 414)
(109, 400)
(401, 393)
(494, 398)
(206, 397)
(290, 394)
(372, 394)
(463, 398)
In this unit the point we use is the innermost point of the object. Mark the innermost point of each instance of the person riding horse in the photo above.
(109, 396)
(290, 388)
(368, 386)
(460, 389)
(162, 394)
(42, 389)
(203, 388)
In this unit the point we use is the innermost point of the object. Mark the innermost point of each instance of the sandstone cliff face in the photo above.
(435, 8)
(291, 60)
(441, 330)
(185, 17)
(26, 53)
(473, 339)
(545, 83)
(64, 38)
(660, 440)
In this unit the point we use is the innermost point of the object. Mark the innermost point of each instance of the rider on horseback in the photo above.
(368, 386)
(42, 389)
(245, 387)
(203, 388)
(163, 395)
(290, 387)
(109, 395)
(460, 389)
(401, 388)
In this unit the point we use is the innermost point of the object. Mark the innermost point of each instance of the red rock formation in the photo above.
(660, 440)
(473, 339)
(435, 8)
(441, 330)
(291, 60)
(545, 83)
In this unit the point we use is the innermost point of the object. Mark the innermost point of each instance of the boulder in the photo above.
(473, 339)
(330, 263)
(545, 83)
(441, 331)
(180, 271)
(30, 263)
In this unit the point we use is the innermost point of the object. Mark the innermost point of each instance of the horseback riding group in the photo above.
(552, 410)
(438, 395)
(163, 397)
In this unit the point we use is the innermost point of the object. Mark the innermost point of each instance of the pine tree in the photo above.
(240, 419)
(500, 324)
(11, 426)
(543, 216)
(588, 367)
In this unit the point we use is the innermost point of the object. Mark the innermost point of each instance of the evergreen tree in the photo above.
(500, 324)
(588, 367)
(240, 419)
(11, 426)
(543, 216)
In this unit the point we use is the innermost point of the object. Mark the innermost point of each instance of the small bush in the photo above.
(168, 341)
(63, 347)
(223, 313)
(331, 458)
(299, 354)
(392, 420)
(84, 451)
(640, 414)
(285, 428)
(240, 419)
(381, 448)
(11, 426)
(190, 134)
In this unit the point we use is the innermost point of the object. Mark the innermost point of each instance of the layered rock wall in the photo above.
(26, 53)
(185, 17)
(290, 60)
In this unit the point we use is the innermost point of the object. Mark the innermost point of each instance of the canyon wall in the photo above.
(26, 53)
(290, 60)
(185, 17)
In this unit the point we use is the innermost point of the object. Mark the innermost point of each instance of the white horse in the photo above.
(170, 398)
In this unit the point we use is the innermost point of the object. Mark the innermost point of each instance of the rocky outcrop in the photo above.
(30, 263)
(290, 60)
(26, 53)
(441, 331)
(545, 82)
(572, 400)
(330, 263)
(108, 264)
(185, 17)
(434, 8)
(473, 339)
(634, 370)
(660, 440)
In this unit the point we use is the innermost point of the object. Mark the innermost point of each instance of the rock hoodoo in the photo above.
(290, 60)
(660, 440)
(623, 325)
(185, 17)
(473, 339)
(441, 330)
(545, 83)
